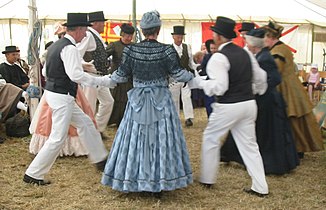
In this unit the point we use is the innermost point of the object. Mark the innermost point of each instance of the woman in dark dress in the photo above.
(119, 93)
(274, 135)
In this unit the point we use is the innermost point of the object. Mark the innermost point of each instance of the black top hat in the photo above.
(246, 26)
(10, 49)
(126, 28)
(178, 30)
(225, 27)
(96, 16)
(76, 19)
(258, 32)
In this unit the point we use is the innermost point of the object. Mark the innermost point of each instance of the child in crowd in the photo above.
(313, 79)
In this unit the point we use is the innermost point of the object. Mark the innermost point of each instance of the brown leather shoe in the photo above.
(252, 192)
(31, 180)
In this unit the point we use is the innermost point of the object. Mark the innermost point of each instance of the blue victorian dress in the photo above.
(149, 151)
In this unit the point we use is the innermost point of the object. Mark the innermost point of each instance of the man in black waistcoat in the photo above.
(63, 72)
(187, 62)
(234, 78)
(100, 57)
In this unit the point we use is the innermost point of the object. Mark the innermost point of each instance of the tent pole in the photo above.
(312, 43)
(35, 68)
(10, 32)
(134, 17)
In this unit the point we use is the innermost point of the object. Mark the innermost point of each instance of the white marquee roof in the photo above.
(284, 11)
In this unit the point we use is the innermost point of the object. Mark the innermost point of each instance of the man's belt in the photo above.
(101, 73)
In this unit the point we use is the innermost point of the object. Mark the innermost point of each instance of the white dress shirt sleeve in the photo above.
(217, 70)
(73, 67)
(44, 70)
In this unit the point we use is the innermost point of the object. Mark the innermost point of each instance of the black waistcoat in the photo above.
(99, 56)
(57, 79)
(240, 75)
(184, 60)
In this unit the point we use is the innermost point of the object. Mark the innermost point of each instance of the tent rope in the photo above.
(34, 43)
(33, 58)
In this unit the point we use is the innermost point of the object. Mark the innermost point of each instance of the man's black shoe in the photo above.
(189, 122)
(2, 140)
(100, 165)
(208, 186)
(104, 137)
(31, 180)
(252, 192)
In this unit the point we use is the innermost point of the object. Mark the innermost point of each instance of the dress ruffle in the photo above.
(41, 125)
(72, 146)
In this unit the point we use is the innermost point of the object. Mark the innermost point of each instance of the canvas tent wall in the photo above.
(309, 16)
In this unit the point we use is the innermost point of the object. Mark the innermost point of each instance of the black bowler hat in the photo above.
(10, 49)
(178, 30)
(76, 19)
(225, 27)
(96, 16)
(246, 26)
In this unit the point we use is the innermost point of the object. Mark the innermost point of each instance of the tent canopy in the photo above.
(308, 39)
(283, 11)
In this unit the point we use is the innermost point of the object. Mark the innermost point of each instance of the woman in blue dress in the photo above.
(149, 151)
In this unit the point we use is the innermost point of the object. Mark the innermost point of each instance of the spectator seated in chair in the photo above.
(313, 80)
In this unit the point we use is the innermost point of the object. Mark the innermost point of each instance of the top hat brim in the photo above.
(97, 20)
(243, 29)
(77, 24)
(4, 52)
(229, 36)
(178, 33)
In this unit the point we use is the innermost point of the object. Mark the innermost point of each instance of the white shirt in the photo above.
(9, 63)
(73, 67)
(179, 49)
(217, 70)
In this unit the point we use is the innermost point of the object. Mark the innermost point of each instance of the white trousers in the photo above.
(106, 101)
(185, 92)
(65, 111)
(240, 119)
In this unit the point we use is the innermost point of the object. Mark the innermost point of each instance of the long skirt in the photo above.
(149, 151)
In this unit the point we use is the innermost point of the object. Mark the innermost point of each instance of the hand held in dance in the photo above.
(89, 66)
(107, 81)
(195, 82)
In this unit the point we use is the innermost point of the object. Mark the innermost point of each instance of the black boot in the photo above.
(188, 122)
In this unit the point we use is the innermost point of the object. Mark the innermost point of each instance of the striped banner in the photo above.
(109, 35)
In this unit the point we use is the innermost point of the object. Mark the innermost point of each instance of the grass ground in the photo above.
(76, 183)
